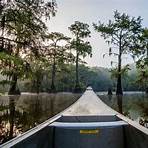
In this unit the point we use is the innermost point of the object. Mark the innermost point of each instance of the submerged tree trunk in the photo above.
(119, 79)
(146, 91)
(14, 90)
(38, 85)
(53, 88)
(77, 84)
(110, 91)
(119, 85)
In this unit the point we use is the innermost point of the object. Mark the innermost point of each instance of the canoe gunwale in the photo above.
(30, 132)
(133, 124)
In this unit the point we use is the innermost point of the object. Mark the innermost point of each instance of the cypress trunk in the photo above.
(38, 85)
(14, 90)
(119, 85)
(146, 91)
(119, 79)
(53, 88)
(119, 103)
(77, 85)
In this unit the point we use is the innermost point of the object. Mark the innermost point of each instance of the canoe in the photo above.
(88, 123)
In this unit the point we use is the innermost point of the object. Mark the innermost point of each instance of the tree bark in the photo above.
(14, 90)
(38, 85)
(119, 103)
(119, 85)
(53, 88)
(146, 91)
(77, 85)
(119, 78)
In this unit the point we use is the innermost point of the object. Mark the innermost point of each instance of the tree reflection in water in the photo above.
(20, 113)
(8, 117)
(119, 103)
(133, 105)
(143, 106)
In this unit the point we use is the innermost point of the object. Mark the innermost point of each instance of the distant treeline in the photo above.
(98, 77)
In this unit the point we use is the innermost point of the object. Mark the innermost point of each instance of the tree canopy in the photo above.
(22, 28)
(122, 34)
(82, 48)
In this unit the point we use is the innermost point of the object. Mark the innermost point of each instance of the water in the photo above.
(21, 113)
(132, 105)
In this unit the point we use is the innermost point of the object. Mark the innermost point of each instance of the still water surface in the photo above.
(133, 105)
(20, 113)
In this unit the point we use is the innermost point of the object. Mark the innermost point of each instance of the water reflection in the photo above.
(7, 116)
(12, 114)
(135, 106)
(20, 113)
(119, 103)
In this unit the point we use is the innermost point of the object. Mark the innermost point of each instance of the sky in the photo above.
(92, 11)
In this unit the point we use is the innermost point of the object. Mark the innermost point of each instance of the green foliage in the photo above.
(142, 51)
(57, 48)
(80, 31)
(4, 82)
(123, 31)
(23, 29)
(29, 53)
(123, 72)
(142, 63)
(81, 47)
(99, 78)
(142, 78)
(13, 64)
(24, 18)
(38, 68)
(57, 53)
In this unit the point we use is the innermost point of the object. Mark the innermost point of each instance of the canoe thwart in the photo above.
(88, 124)
(100, 118)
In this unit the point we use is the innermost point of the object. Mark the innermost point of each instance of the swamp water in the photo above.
(21, 113)
(132, 104)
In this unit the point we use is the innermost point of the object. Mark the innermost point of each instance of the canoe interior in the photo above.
(105, 118)
(86, 132)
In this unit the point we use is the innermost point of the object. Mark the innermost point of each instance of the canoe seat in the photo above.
(101, 118)
(87, 134)
(88, 124)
